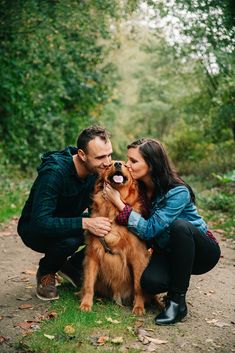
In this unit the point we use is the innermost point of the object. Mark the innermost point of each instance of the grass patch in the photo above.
(86, 328)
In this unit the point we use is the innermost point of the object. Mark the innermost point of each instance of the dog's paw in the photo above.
(138, 310)
(85, 307)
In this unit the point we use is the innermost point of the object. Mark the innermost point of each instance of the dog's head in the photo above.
(119, 177)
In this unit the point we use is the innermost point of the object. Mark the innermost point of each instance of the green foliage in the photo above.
(208, 30)
(226, 178)
(53, 74)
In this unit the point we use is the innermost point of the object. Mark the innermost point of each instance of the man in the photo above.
(53, 219)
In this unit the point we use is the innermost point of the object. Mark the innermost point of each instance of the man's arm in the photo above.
(43, 220)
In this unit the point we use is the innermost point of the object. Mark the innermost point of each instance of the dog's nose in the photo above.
(118, 165)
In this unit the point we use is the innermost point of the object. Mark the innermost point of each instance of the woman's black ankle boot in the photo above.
(175, 310)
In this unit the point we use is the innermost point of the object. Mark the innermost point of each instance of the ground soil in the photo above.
(210, 325)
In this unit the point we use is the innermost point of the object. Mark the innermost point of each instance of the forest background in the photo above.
(161, 69)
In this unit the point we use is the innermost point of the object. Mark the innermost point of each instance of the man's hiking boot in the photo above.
(70, 273)
(46, 288)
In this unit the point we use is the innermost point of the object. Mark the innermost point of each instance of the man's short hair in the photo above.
(89, 134)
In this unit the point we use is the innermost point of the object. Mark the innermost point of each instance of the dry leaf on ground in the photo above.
(50, 337)
(109, 319)
(102, 340)
(52, 314)
(29, 272)
(117, 340)
(25, 298)
(3, 339)
(26, 325)
(25, 306)
(69, 330)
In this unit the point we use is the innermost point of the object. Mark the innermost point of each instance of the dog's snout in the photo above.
(118, 165)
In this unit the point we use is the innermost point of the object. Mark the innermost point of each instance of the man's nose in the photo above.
(107, 161)
(118, 165)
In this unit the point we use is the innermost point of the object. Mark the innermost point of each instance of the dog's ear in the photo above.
(99, 185)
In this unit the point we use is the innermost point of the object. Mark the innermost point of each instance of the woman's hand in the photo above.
(113, 196)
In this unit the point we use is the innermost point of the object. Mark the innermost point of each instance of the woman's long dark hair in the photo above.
(163, 174)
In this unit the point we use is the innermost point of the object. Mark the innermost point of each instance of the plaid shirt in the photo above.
(123, 216)
(57, 199)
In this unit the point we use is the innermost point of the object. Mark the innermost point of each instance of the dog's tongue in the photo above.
(118, 178)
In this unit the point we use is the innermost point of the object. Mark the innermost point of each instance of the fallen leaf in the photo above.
(216, 323)
(117, 340)
(69, 330)
(24, 279)
(3, 339)
(99, 322)
(25, 298)
(52, 314)
(139, 323)
(26, 325)
(25, 306)
(109, 319)
(29, 272)
(102, 339)
(131, 330)
(157, 341)
(221, 324)
(212, 321)
(50, 337)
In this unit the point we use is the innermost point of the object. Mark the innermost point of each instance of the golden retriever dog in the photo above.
(114, 264)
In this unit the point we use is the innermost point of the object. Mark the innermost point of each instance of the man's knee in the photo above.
(70, 244)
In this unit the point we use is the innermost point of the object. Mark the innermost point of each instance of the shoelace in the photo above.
(48, 279)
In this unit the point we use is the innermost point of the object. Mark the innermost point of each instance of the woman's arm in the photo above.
(161, 218)
(175, 201)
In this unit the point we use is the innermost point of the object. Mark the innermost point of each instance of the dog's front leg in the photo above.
(90, 275)
(138, 305)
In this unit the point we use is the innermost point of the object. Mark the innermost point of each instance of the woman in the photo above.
(182, 243)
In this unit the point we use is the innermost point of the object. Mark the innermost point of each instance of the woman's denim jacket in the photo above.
(176, 204)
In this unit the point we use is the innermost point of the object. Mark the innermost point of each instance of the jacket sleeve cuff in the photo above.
(123, 216)
(136, 224)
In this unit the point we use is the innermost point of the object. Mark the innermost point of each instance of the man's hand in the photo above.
(99, 226)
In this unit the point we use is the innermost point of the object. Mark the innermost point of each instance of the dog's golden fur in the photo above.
(118, 274)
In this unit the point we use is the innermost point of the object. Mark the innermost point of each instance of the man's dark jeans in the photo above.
(56, 251)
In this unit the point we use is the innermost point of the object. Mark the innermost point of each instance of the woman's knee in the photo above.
(180, 230)
(151, 284)
(180, 226)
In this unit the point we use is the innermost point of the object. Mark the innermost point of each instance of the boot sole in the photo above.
(67, 278)
(46, 299)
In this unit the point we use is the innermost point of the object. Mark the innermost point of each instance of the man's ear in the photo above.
(82, 155)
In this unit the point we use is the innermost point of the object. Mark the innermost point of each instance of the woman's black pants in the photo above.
(190, 252)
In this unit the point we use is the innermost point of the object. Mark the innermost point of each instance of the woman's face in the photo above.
(136, 164)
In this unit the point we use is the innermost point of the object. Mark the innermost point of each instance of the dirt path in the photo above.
(210, 326)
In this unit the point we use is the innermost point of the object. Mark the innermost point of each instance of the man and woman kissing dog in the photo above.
(123, 208)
